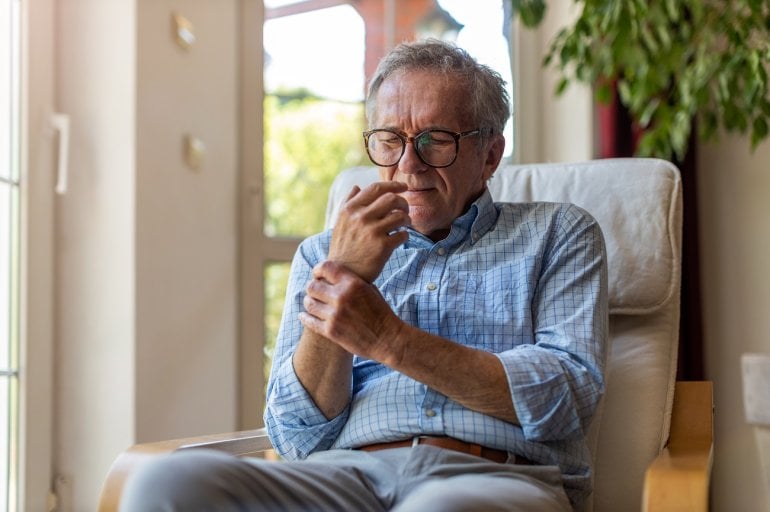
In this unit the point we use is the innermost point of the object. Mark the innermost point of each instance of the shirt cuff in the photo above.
(295, 424)
(541, 394)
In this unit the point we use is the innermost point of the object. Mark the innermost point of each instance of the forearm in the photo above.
(471, 377)
(324, 369)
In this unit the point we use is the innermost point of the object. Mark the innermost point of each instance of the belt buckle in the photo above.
(415, 441)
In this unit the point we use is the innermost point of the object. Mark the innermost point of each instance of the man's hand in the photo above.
(343, 308)
(341, 298)
(369, 228)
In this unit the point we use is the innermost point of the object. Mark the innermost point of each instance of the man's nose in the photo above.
(410, 162)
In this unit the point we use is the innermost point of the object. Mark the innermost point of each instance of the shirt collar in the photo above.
(471, 225)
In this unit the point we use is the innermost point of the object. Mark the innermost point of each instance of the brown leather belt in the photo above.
(450, 443)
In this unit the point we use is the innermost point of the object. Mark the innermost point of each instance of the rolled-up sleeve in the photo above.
(557, 381)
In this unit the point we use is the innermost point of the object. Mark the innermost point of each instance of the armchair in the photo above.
(651, 438)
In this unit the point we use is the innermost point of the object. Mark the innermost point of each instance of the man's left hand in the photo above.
(345, 309)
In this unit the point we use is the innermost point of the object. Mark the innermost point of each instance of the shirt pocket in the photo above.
(491, 310)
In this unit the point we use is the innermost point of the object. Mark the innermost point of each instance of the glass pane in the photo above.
(313, 114)
(14, 279)
(6, 78)
(9, 250)
(5, 438)
(276, 278)
(5, 274)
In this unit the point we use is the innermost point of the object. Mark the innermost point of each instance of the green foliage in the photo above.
(673, 61)
(276, 279)
(531, 11)
(307, 142)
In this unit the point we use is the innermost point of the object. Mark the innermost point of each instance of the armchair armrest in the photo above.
(678, 479)
(253, 443)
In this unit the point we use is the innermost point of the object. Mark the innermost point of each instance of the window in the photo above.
(9, 251)
(313, 119)
(318, 56)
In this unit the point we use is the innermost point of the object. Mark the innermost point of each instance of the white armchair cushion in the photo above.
(633, 201)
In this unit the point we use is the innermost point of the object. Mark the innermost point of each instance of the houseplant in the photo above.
(671, 61)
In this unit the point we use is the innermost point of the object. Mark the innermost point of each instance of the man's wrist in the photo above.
(395, 341)
(367, 275)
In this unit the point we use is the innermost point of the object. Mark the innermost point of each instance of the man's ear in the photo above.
(494, 153)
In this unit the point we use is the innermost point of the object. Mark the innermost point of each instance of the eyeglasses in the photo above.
(436, 148)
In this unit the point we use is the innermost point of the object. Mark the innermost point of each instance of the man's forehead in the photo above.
(407, 76)
(446, 94)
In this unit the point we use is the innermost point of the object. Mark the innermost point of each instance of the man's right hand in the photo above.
(369, 228)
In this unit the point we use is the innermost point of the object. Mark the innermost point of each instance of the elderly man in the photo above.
(438, 351)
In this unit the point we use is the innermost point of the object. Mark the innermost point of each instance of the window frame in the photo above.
(256, 249)
(36, 315)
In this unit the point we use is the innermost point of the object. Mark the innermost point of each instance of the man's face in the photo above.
(411, 102)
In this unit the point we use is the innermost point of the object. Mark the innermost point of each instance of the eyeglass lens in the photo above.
(436, 148)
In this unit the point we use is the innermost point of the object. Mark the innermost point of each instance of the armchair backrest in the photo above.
(638, 204)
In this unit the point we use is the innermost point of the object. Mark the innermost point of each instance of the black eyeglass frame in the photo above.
(405, 140)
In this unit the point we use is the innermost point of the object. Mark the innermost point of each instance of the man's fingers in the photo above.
(327, 273)
(387, 212)
(353, 192)
(374, 191)
(388, 202)
(396, 219)
(314, 307)
(310, 322)
(395, 239)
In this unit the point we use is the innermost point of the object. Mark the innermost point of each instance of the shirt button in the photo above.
(430, 413)
(441, 251)
(431, 286)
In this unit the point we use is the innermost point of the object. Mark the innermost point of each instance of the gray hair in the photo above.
(488, 99)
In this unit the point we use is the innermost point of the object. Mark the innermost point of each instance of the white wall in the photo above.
(186, 222)
(95, 274)
(548, 128)
(146, 250)
(734, 203)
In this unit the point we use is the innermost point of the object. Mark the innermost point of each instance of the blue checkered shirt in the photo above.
(525, 281)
